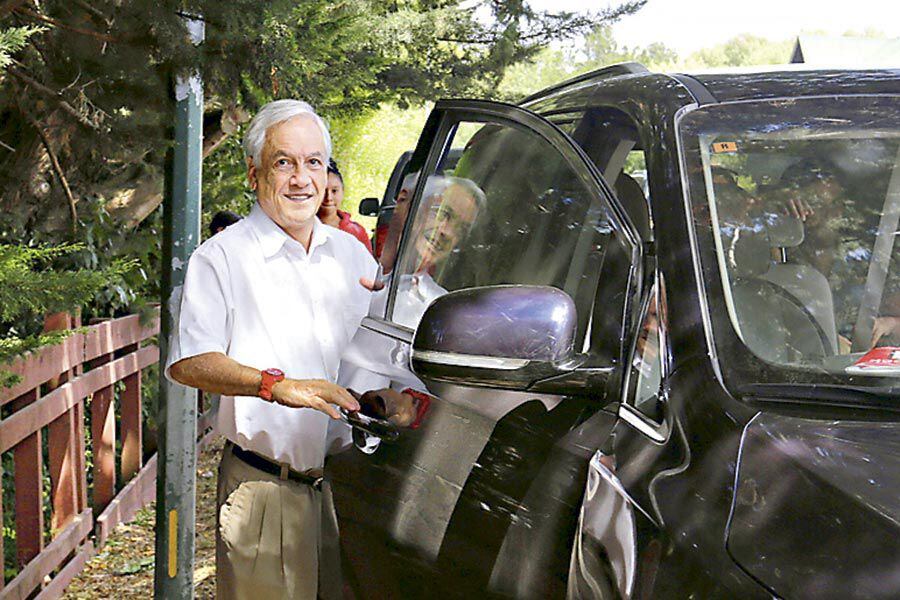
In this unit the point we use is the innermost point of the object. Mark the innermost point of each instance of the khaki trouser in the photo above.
(272, 535)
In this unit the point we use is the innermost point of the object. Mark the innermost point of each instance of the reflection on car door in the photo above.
(483, 496)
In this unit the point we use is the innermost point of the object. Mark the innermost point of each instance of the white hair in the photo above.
(436, 185)
(409, 182)
(274, 113)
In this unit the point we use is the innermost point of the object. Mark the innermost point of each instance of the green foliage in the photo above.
(12, 40)
(598, 49)
(106, 247)
(743, 50)
(225, 183)
(30, 287)
(367, 147)
(601, 49)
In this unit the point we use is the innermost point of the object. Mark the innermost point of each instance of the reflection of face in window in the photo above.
(448, 217)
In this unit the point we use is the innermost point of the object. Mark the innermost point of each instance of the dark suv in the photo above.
(650, 392)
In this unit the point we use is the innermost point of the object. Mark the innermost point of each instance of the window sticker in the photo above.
(884, 360)
(724, 147)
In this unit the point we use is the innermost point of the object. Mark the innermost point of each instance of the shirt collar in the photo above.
(272, 237)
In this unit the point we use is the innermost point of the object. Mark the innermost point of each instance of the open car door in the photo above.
(483, 496)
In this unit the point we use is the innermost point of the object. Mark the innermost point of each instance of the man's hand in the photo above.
(799, 209)
(319, 394)
(373, 285)
(884, 326)
(398, 408)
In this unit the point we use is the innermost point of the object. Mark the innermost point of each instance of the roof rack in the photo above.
(617, 70)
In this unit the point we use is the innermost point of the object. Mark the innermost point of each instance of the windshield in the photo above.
(802, 201)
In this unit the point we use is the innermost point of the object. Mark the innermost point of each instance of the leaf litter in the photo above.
(123, 568)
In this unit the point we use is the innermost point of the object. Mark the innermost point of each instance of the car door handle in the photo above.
(380, 428)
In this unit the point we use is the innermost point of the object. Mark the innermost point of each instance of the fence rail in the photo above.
(62, 411)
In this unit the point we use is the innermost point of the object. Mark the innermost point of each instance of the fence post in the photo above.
(103, 441)
(176, 477)
(66, 458)
(132, 451)
(29, 507)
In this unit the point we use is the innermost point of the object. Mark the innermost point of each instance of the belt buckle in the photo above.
(317, 483)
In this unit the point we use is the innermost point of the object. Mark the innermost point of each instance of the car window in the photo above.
(511, 211)
(611, 139)
(649, 360)
(804, 203)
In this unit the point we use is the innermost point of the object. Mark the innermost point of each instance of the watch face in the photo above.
(275, 372)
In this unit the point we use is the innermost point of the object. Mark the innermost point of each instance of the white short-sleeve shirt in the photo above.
(256, 295)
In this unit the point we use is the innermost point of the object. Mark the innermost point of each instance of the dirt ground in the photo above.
(124, 566)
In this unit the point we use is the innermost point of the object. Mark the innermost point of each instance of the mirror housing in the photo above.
(506, 336)
(368, 207)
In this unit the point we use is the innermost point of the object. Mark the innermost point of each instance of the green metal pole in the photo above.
(177, 416)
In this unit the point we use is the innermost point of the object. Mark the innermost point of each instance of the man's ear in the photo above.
(252, 174)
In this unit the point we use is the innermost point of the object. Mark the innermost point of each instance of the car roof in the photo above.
(735, 84)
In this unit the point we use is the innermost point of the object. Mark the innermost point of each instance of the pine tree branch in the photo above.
(61, 25)
(94, 11)
(36, 85)
(57, 169)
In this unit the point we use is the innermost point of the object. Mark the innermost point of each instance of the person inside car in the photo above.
(735, 205)
(387, 239)
(811, 191)
(330, 212)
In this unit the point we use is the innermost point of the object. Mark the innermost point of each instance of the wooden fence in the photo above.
(43, 424)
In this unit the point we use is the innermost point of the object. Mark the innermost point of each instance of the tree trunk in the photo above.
(37, 198)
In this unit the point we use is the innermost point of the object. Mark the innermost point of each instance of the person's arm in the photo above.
(888, 323)
(216, 373)
(884, 326)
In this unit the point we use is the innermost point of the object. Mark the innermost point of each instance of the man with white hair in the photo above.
(268, 307)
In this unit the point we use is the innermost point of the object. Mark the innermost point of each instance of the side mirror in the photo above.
(368, 207)
(497, 336)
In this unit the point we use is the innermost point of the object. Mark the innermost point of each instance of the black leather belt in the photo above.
(279, 470)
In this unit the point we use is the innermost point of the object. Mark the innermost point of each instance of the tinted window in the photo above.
(804, 203)
(511, 211)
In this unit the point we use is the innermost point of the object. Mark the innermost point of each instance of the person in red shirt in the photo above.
(330, 212)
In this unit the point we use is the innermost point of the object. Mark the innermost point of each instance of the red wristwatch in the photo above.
(269, 378)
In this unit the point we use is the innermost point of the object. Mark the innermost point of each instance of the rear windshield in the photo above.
(802, 201)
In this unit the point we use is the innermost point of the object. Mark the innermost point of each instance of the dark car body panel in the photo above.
(730, 493)
(826, 491)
